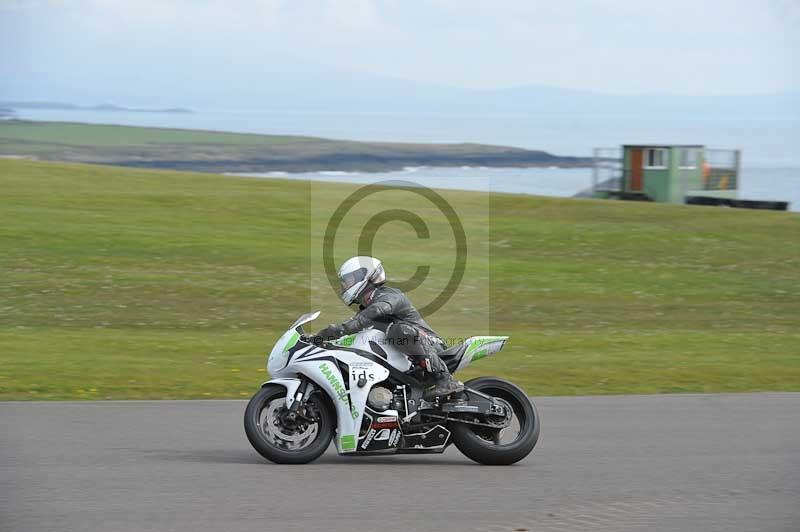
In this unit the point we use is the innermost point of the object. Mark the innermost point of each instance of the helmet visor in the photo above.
(351, 278)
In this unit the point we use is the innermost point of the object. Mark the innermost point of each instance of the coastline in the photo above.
(224, 152)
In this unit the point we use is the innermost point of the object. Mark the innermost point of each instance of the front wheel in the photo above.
(286, 439)
(504, 446)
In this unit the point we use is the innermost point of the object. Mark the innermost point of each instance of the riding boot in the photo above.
(443, 384)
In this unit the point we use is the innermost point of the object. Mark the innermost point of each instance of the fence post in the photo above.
(737, 166)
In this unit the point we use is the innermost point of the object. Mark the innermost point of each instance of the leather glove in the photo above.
(328, 334)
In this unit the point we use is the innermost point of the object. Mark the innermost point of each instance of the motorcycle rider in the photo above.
(389, 309)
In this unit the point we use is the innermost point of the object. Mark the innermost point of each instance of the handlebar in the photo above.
(313, 340)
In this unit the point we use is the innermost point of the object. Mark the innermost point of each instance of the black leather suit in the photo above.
(390, 310)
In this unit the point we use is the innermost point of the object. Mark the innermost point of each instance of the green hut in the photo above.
(667, 173)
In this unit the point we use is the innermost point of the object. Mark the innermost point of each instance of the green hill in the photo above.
(120, 283)
(219, 152)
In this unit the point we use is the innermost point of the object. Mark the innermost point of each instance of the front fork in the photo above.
(298, 406)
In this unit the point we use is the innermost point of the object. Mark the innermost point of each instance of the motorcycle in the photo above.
(363, 390)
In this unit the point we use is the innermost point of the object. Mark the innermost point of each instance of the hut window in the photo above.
(655, 158)
(689, 158)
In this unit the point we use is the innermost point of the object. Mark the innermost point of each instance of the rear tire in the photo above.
(483, 451)
(254, 427)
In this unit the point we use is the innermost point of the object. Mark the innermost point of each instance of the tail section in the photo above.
(479, 347)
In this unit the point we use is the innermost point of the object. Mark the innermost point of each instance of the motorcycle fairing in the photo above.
(374, 341)
(279, 356)
(382, 431)
(434, 440)
(323, 367)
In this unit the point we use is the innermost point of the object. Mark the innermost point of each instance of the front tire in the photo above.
(282, 443)
(484, 445)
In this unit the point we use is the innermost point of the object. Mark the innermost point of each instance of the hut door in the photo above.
(636, 169)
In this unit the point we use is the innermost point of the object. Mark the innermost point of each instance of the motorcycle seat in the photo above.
(453, 351)
(452, 355)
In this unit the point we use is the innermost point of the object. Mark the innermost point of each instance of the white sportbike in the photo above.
(362, 390)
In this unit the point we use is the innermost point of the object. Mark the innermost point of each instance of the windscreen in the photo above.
(305, 318)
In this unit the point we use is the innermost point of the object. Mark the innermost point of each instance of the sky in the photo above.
(622, 46)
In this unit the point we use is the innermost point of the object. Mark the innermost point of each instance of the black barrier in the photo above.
(738, 203)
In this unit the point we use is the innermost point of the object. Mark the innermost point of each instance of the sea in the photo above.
(770, 146)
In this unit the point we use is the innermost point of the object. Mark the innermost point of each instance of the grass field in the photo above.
(97, 135)
(122, 283)
(215, 151)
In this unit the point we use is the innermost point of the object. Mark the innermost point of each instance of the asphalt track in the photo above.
(656, 463)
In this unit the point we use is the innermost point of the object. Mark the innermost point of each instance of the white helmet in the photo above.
(356, 273)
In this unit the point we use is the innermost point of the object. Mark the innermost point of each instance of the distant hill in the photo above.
(101, 107)
(277, 83)
(210, 151)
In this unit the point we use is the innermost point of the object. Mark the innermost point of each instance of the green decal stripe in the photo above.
(479, 355)
(292, 340)
(475, 347)
(477, 344)
(346, 341)
(348, 442)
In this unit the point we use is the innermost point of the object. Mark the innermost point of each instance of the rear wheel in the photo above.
(286, 439)
(500, 446)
